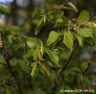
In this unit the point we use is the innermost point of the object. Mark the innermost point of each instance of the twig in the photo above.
(25, 75)
(64, 67)
(70, 57)
(11, 70)
(13, 75)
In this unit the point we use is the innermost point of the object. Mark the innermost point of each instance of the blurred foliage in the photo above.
(30, 66)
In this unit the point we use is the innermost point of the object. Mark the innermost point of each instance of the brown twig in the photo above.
(11, 70)
(13, 75)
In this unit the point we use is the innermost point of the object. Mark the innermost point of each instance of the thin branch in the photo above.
(67, 62)
(11, 70)
(13, 54)
(13, 75)
(25, 75)
(64, 67)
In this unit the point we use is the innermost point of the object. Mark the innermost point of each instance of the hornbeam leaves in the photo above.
(79, 38)
(29, 53)
(37, 54)
(4, 10)
(69, 6)
(33, 42)
(53, 36)
(83, 17)
(34, 65)
(84, 66)
(85, 32)
(68, 41)
(72, 6)
(53, 56)
(40, 24)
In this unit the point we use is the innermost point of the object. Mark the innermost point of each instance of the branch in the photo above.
(64, 67)
(67, 62)
(13, 75)
(11, 70)
(25, 75)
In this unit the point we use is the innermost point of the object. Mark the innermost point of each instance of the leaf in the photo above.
(72, 6)
(53, 36)
(8, 91)
(84, 66)
(83, 17)
(38, 91)
(86, 81)
(61, 23)
(69, 6)
(46, 69)
(37, 54)
(53, 56)
(85, 32)
(3, 60)
(68, 41)
(4, 10)
(79, 38)
(10, 38)
(29, 53)
(33, 42)
(14, 28)
(40, 24)
(34, 69)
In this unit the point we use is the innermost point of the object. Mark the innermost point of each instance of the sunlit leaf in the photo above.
(68, 41)
(83, 17)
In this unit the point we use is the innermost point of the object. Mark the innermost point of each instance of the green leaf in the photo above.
(33, 42)
(40, 24)
(14, 28)
(3, 60)
(29, 53)
(53, 55)
(69, 6)
(38, 91)
(85, 32)
(4, 10)
(68, 41)
(83, 17)
(86, 81)
(79, 38)
(72, 6)
(84, 66)
(53, 36)
(8, 91)
(61, 23)
(34, 69)
(10, 38)
(37, 54)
